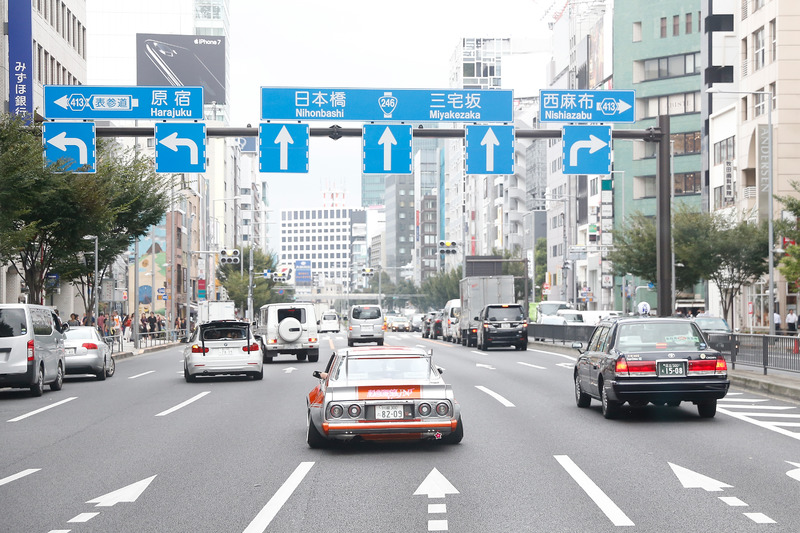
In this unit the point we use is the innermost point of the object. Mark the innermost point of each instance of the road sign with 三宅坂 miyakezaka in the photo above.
(133, 102)
(386, 149)
(283, 148)
(180, 147)
(587, 149)
(73, 143)
(586, 106)
(489, 149)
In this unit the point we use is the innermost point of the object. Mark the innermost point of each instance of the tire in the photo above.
(611, 409)
(301, 356)
(523, 346)
(313, 436)
(101, 376)
(380, 342)
(707, 409)
(59, 382)
(113, 368)
(37, 388)
(350, 343)
(187, 376)
(464, 341)
(290, 329)
(258, 376)
(313, 357)
(456, 436)
(581, 398)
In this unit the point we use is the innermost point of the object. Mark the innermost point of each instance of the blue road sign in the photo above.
(586, 106)
(490, 149)
(283, 148)
(180, 147)
(376, 105)
(92, 102)
(587, 149)
(74, 143)
(386, 149)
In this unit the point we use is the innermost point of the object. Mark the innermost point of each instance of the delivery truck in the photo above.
(476, 293)
(215, 310)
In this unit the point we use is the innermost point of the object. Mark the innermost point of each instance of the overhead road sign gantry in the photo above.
(586, 106)
(180, 147)
(283, 148)
(386, 149)
(376, 105)
(489, 149)
(587, 149)
(132, 102)
(74, 142)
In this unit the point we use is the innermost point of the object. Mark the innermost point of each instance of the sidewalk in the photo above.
(129, 350)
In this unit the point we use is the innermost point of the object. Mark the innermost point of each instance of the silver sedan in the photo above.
(87, 353)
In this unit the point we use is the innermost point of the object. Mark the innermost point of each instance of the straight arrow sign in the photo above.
(692, 480)
(490, 141)
(127, 494)
(387, 140)
(435, 485)
(284, 139)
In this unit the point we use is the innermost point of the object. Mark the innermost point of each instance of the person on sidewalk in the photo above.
(776, 317)
(791, 322)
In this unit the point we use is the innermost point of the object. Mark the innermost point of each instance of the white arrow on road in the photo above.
(593, 144)
(490, 141)
(692, 480)
(127, 494)
(387, 140)
(490, 367)
(289, 370)
(284, 139)
(622, 106)
(63, 102)
(435, 486)
(173, 142)
(794, 474)
(61, 141)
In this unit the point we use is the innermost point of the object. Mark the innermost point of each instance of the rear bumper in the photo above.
(685, 390)
(424, 429)
(210, 369)
(20, 379)
(83, 364)
(506, 337)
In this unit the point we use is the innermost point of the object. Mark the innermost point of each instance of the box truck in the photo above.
(476, 293)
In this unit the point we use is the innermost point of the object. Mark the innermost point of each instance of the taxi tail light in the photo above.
(251, 348)
(641, 368)
(89, 345)
(621, 368)
(424, 409)
(31, 351)
(354, 410)
(199, 349)
(722, 366)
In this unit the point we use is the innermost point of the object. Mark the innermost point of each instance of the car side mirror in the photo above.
(476, 318)
(440, 369)
(578, 345)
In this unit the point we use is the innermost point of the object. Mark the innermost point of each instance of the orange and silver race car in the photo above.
(382, 393)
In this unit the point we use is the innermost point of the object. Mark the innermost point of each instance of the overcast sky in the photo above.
(354, 43)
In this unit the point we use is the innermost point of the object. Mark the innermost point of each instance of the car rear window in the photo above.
(80, 334)
(505, 313)
(295, 312)
(657, 336)
(366, 313)
(226, 333)
(328, 317)
(386, 368)
(12, 323)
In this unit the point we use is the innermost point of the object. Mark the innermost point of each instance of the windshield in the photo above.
(12, 323)
(658, 336)
(379, 368)
(213, 334)
(505, 313)
(551, 308)
(714, 323)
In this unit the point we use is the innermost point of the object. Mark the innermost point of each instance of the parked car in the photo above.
(85, 352)
(329, 322)
(365, 324)
(717, 332)
(502, 325)
(31, 348)
(289, 328)
(658, 360)
(222, 347)
(379, 394)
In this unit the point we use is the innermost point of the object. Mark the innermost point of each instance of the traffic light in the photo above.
(279, 276)
(367, 272)
(448, 247)
(229, 257)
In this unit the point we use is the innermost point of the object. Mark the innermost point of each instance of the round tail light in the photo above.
(424, 409)
(442, 409)
(354, 411)
(336, 411)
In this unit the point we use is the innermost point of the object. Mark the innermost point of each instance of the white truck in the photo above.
(215, 310)
(476, 293)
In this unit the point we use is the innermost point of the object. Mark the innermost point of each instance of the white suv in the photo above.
(289, 328)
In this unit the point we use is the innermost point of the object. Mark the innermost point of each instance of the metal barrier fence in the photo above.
(776, 352)
(118, 342)
(561, 333)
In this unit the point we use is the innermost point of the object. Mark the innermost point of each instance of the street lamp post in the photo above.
(770, 213)
(94, 290)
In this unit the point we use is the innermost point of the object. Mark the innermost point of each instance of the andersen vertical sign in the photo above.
(764, 153)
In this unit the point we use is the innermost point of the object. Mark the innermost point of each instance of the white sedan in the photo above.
(222, 347)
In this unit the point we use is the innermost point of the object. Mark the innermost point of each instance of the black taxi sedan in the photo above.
(664, 361)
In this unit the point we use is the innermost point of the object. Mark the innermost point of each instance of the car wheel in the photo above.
(59, 382)
(301, 357)
(350, 343)
(456, 436)
(313, 358)
(111, 369)
(37, 389)
(523, 346)
(380, 342)
(463, 341)
(258, 376)
(101, 376)
(313, 436)
(611, 408)
(187, 376)
(581, 398)
(707, 409)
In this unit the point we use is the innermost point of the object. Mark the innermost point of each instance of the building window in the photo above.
(672, 66)
(688, 23)
(663, 27)
(637, 32)
(676, 25)
(687, 183)
(759, 48)
(760, 103)
(725, 150)
(773, 37)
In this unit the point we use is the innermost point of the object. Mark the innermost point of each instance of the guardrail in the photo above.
(561, 333)
(775, 352)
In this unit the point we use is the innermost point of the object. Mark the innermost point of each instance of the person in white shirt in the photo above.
(776, 318)
(791, 322)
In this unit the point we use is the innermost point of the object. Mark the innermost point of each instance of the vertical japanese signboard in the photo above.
(20, 58)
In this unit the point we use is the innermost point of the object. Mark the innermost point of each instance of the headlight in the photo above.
(354, 411)
(336, 411)
(424, 409)
(442, 409)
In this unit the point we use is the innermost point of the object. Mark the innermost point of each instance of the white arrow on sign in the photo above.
(692, 480)
(481, 365)
(289, 370)
(387, 140)
(794, 474)
(63, 102)
(490, 141)
(593, 144)
(284, 140)
(622, 106)
(173, 142)
(127, 494)
(435, 486)
(61, 141)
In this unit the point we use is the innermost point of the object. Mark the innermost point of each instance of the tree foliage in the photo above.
(440, 288)
(540, 260)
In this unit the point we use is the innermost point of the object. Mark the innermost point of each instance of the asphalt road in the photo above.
(144, 451)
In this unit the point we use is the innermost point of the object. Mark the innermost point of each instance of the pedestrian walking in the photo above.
(776, 318)
(791, 322)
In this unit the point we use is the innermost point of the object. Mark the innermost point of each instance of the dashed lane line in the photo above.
(183, 404)
(18, 475)
(143, 374)
(606, 504)
(495, 396)
(265, 516)
(43, 409)
(532, 366)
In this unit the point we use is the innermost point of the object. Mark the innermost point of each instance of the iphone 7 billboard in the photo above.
(182, 60)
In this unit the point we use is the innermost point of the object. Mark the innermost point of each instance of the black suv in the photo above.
(502, 325)
(664, 361)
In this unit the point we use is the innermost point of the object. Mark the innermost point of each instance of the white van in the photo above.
(365, 324)
(31, 347)
(289, 328)
(549, 308)
(452, 313)
(329, 322)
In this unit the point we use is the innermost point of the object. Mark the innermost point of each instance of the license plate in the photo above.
(223, 351)
(366, 329)
(69, 351)
(670, 368)
(389, 412)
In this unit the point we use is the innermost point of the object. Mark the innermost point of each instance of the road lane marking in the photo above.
(611, 510)
(436, 508)
(18, 475)
(764, 407)
(437, 525)
(184, 404)
(760, 518)
(733, 501)
(265, 516)
(747, 417)
(59, 531)
(532, 366)
(81, 518)
(142, 374)
(478, 352)
(495, 395)
(754, 400)
(36, 412)
(571, 358)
